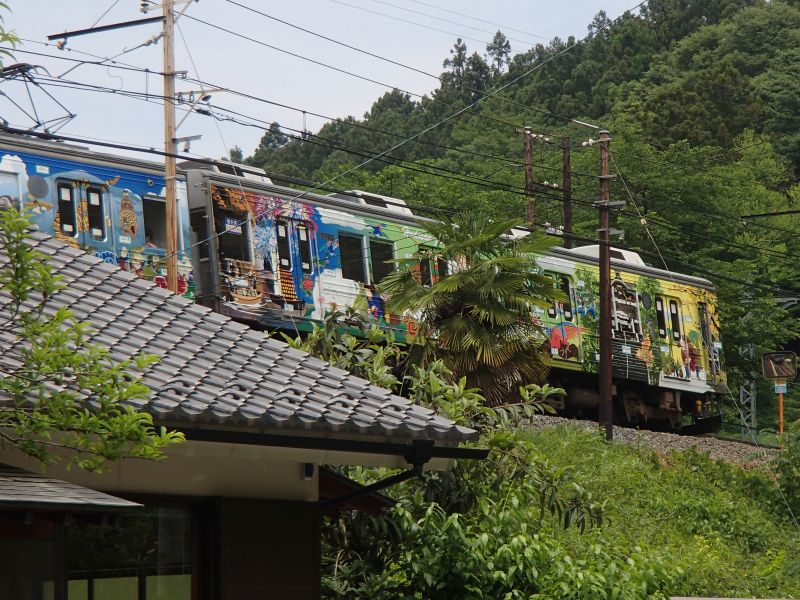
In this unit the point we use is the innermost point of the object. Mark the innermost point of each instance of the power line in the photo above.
(460, 14)
(430, 16)
(349, 73)
(454, 175)
(407, 21)
(482, 182)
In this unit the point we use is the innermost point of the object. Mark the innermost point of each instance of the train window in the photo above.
(380, 253)
(234, 235)
(154, 211)
(441, 268)
(304, 243)
(66, 209)
(352, 257)
(552, 310)
(566, 305)
(95, 213)
(284, 254)
(661, 319)
(675, 318)
(426, 276)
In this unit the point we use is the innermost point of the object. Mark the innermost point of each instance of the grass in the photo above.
(726, 529)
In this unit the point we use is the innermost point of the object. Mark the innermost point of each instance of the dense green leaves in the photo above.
(479, 317)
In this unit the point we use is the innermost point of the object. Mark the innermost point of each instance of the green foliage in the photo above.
(787, 465)
(64, 398)
(6, 37)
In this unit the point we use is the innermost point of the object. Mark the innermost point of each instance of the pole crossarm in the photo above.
(123, 25)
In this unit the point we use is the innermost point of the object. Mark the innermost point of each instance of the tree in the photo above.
(480, 318)
(6, 37)
(60, 394)
(235, 154)
(499, 51)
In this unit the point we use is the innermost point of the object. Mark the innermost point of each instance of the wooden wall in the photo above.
(268, 549)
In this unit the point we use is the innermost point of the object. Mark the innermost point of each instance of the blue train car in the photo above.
(112, 206)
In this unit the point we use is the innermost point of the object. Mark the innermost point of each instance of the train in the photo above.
(277, 258)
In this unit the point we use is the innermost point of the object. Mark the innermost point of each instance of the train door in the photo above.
(92, 211)
(626, 321)
(674, 346)
(711, 352)
(564, 336)
(66, 218)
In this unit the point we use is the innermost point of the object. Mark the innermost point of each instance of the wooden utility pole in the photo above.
(530, 207)
(170, 169)
(606, 416)
(566, 189)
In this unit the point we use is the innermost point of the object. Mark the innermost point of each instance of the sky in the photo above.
(415, 33)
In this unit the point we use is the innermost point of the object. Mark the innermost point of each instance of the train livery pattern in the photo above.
(276, 258)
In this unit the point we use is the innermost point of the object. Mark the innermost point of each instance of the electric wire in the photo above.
(505, 187)
(460, 14)
(471, 180)
(353, 74)
(430, 16)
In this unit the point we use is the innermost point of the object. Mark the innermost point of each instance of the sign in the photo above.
(233, 225)
(780, 386)
(779, 365)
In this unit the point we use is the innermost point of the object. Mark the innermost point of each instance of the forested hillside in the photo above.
(702, 99)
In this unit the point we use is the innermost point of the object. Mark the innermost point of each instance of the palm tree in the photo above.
(480, 317)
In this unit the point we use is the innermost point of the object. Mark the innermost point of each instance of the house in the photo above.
(235, 511)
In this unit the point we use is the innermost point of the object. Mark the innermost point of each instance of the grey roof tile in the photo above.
(25, 490)
(216, 372)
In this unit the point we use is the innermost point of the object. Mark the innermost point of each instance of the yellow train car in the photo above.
(667, 351)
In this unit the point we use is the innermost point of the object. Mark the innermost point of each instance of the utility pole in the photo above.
(530, 208)
(566, 188)
(606, 410)
(170, 169)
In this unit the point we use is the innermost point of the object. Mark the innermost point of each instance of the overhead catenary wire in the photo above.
(505, 187)
(452, 22)
(477, 181)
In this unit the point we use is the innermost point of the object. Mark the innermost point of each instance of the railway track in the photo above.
(743, 454)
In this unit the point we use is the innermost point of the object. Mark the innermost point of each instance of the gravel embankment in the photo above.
(738, 453)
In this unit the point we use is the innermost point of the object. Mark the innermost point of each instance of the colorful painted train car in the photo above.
(666, 354)
(277, 258)
(112, 206)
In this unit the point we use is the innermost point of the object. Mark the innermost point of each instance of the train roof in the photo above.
(391, 209)
(629, 262)
(59, 149)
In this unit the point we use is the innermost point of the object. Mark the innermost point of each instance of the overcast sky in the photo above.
(417, 33)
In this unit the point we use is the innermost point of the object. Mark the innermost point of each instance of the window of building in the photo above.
(675, 318)
(380, 253)
(284, 253)
(146, 555)
(352, 257)
(661, 319)
(96, 213)
(66, 209)
(155, 222)
(304, 245)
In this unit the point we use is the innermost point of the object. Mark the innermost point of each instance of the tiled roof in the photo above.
(23, 490)
(216, 373)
